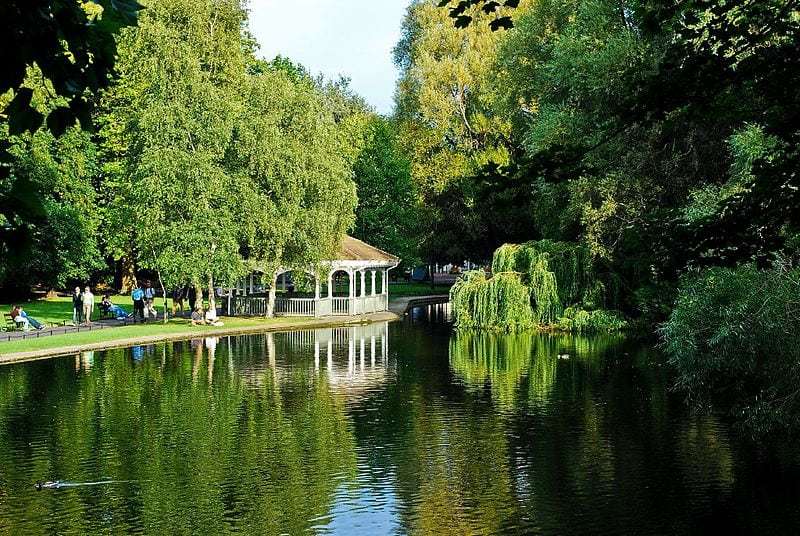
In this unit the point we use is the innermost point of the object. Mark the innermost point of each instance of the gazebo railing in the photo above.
(248, 306)
(257, 306)
(340, 306)
(295, 307)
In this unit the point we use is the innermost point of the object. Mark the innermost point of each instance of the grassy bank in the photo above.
(153, 329)
(59, 310)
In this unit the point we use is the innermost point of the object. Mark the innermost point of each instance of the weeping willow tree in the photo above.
(553, 277)
(502, 302)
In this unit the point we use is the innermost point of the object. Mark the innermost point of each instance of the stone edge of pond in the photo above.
(34, 355)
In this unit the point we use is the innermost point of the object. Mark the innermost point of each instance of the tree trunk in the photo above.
(128, 275)
(271, 300)
(212, 298)
(164, 293)
(163, 290)
(198, 300)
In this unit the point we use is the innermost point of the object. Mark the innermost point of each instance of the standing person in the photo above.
(77, 306)
(88, 305)
(138, 303)
(192, 294)
(149, 300)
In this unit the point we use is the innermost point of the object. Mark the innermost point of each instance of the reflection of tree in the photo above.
(497, 360)
(209, 453)
(452, 470)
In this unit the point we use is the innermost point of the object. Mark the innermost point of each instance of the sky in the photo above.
(353, 38)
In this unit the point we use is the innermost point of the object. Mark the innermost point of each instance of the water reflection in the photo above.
(371, 430)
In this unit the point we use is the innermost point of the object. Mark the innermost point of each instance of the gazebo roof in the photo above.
(353, 249)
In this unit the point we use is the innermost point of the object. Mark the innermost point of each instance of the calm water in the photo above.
(399, 429)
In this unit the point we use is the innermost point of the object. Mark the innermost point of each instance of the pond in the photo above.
(405, 428)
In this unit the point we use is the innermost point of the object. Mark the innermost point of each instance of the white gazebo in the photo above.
(365, 267)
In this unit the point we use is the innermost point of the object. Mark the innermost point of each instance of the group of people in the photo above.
(209, 318)
(144, 299)
(20, 317)
(82, 306)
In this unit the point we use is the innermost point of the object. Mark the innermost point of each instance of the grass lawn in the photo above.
(416, 289)
(173, 327)
(57, 310)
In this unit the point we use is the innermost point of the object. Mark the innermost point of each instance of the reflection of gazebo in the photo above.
(365, 292)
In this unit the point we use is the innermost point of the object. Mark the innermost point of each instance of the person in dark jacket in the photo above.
(138, 303)
(77, 306)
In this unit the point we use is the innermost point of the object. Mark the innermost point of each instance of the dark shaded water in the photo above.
(376, 430)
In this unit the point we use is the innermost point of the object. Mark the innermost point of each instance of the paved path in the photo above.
(105, 323)
(398, 307)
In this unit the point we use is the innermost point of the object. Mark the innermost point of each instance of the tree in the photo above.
(292, 152)
(60, 53)
(71, 43)
(58, 243)
(388, 214)
(444, 98)
(180, 105)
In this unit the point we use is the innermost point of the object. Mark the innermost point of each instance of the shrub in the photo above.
(578, 320)
(554, 274)
(734, 338)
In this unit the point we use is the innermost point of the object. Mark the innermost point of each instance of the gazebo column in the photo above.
(351, 278)
(373, 281)
(330, 285)
(363, 283)
(385, 289)
(316, 302)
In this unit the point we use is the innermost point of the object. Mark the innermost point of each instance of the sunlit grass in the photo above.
(151, 329)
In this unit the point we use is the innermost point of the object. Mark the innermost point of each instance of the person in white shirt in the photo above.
(149, 300)
(212, 319)
(88, 305)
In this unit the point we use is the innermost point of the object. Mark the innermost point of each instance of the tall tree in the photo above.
(179, 105)
(444, 100)
(290, 150)
(388, 214)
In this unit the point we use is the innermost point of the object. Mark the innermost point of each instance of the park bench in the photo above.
(10, 325)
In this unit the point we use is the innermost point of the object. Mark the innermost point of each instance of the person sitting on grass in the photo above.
(19, 316)
(197, 317)
(113, 309)
(212, 319)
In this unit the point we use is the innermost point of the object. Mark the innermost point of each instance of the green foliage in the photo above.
(72, 44)
(388, 214)
(444, 98)
(570, 264)
(219, 162)
(733, 337)
(501, 303)
(52, 241)
(555, 274)
(578, 320)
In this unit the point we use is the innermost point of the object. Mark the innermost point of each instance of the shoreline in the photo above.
(288, 325)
